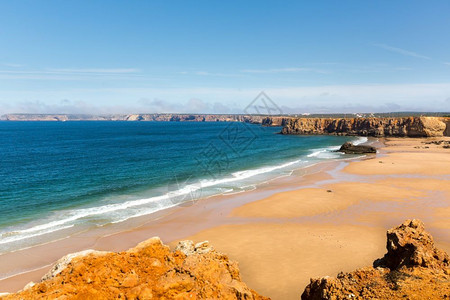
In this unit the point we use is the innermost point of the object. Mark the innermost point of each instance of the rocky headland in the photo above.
(412, 268)
(361, 126)
(377, 127)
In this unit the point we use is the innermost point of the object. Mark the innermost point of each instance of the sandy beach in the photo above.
(332, 217)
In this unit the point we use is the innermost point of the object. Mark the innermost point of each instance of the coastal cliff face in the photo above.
(138, 117)
(275, 121)
(194, 118)
(378, 127)
(148, 271)
(413, 268)
(447, 124)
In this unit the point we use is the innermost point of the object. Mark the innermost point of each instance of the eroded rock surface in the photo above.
(410, 245)
(349, 148)
(413, 268)
(148, 271)
(399, 126)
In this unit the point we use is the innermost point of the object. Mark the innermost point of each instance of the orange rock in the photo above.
(399, 126)
(131, 280)
(413, 268)
(148, 271)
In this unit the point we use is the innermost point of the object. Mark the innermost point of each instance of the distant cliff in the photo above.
(400, 126)
(396, 126)
(138, 117)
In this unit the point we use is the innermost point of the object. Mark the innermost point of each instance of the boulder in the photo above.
(413, 268)
(410, 245)
(188, 247)
(349, 148)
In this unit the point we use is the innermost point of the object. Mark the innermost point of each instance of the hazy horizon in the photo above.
(106, 58)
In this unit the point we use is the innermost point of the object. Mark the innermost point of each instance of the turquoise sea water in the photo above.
(57, 177)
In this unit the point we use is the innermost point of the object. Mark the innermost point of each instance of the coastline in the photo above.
(29, 264)
(266, 230)
(138, 181)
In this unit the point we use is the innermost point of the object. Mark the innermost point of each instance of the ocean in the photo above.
(60, 178)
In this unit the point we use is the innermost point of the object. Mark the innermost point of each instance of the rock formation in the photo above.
(256, 119)
(275, 121)
(148, 271)
(401, 127)
(445, 144)
(397, 126)
(410, 245)
(349, 148)
(413, 268)
(447, 123)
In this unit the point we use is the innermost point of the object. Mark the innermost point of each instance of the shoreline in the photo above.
(110, 237)
(256, 228)
(148, 201)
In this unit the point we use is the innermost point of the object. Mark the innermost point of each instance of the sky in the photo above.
(103, 57)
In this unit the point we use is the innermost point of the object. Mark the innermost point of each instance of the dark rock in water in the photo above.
(349, 148)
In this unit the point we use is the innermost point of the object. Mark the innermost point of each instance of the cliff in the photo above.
(275, 121)
(148, 271)
(396, 126)
(257, 119)
(413, 268)
(399, 127)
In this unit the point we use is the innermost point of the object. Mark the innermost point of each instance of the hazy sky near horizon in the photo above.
(216, 56)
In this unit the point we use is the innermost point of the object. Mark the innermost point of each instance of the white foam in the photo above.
(140, 207)
(250, 173)
(13, 237)
(360, 140)
(161, 202)
(316, 153)
(325, 153)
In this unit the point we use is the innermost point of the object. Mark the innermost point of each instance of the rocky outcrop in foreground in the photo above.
(413, 268)
(379, 127)
(148, 271)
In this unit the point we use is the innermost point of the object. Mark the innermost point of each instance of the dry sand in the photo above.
(277, 259)
(332, 220)
(336, 227)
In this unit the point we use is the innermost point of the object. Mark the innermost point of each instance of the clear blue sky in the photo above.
(216, 56)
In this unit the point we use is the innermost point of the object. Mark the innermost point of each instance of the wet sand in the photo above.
(20, 267)
(329, 218)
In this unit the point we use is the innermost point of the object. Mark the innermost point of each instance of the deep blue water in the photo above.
(60, 175)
